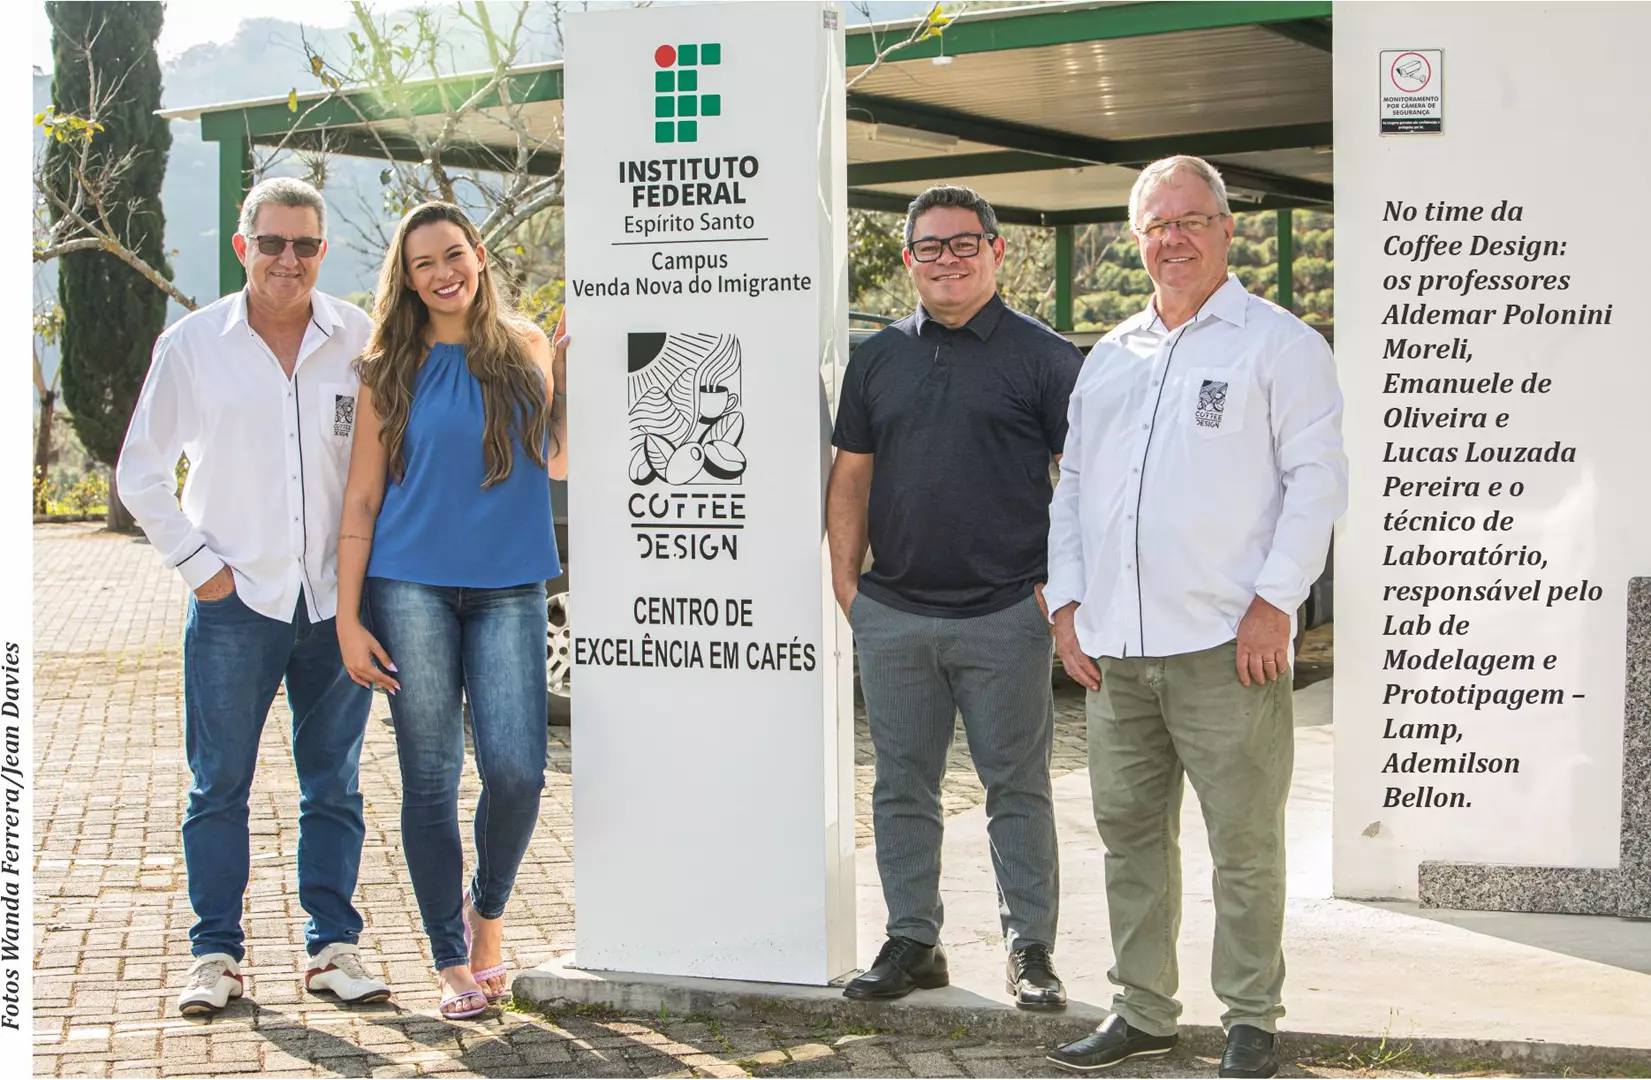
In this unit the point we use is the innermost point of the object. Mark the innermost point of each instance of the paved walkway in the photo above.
(112, 919)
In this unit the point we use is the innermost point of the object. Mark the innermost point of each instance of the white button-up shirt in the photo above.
(268, 455)
(1203, 467)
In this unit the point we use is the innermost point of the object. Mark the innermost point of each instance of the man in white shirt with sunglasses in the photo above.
(258, 391)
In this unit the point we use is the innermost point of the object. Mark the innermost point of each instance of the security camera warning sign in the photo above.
(1412, 92)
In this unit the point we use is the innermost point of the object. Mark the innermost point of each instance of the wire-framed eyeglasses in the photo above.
(1187, 225)
(963, 245)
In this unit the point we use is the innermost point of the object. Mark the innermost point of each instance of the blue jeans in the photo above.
(233, 662)
(491, 644)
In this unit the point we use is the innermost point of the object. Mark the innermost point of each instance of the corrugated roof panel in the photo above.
(1056, 189)
(863, 147)
(1303, 164)
(1165, 84)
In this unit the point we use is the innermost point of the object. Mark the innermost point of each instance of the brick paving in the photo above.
(112, 917)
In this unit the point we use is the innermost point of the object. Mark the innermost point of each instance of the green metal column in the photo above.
(1063, 277)
(234, 174)
(1286, 260)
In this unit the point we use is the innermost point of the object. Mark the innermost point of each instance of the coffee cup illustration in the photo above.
(714, 401)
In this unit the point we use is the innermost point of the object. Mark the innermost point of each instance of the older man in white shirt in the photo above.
(258, 391)
(1202, 474)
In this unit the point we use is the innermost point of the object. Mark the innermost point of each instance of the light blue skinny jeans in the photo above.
(489, 643)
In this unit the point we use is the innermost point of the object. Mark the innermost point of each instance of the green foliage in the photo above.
(48, 324)
(111, 315)
(543, 305)
(67, 128)
(87, 495)
(875, 241)
(69, 461)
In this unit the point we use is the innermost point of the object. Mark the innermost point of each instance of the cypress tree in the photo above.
(111, 314)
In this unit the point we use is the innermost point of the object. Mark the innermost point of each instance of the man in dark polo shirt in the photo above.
(946, 425)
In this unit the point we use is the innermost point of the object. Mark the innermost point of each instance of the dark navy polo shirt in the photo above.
(962, 424)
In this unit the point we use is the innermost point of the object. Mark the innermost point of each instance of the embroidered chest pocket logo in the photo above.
(1217, 400)
(1212, 403)
(343, 414)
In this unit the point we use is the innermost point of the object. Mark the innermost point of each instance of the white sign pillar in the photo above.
(1491, 640)
(707, 283)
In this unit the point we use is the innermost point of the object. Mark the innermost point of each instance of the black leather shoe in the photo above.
(1032, 981)
(1250, 1052)
(903, 965)
(1112, 1042)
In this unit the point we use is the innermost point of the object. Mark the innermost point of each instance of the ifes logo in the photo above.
(678, 104)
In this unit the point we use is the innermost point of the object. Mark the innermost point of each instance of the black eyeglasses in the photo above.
(963, 245)
(305, 247)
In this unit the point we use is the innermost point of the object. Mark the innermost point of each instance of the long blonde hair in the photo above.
(512, 384)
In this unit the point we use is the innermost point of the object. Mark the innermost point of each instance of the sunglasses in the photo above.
(305, 247)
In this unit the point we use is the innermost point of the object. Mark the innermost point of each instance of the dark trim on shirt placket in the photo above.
(1140, 487)
(303, 497)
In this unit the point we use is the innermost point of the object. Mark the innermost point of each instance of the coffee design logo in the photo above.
(1212, 403)
(343, 414)
(686, 409)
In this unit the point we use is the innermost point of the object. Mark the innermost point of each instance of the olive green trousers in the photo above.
(1153, 720)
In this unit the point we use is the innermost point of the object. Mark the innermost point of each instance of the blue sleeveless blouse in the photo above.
(437, 526)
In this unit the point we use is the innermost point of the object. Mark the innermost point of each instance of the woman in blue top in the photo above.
(459, 426)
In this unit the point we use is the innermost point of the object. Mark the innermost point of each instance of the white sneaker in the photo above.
(338, 968)
(214, 979)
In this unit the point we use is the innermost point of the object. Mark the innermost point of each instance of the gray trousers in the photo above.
(917, 672)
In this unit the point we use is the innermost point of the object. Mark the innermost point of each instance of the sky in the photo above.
(194, 22)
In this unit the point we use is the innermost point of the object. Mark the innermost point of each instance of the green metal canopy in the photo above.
(1048, 111)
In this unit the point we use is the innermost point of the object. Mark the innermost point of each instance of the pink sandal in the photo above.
(465, 1014)
(486, 973)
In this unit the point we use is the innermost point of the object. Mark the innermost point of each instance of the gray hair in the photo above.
(950, 195)
(281, 191)
(1163, 169)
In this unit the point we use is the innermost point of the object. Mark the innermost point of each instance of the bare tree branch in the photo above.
(125, 255)
(486, 116)
(82, 221)
(550, 196)
(929, 27)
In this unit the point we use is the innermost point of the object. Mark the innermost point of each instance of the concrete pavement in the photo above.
(1512, 986)
(111, 917)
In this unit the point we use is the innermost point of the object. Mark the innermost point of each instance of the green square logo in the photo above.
(676, 80)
